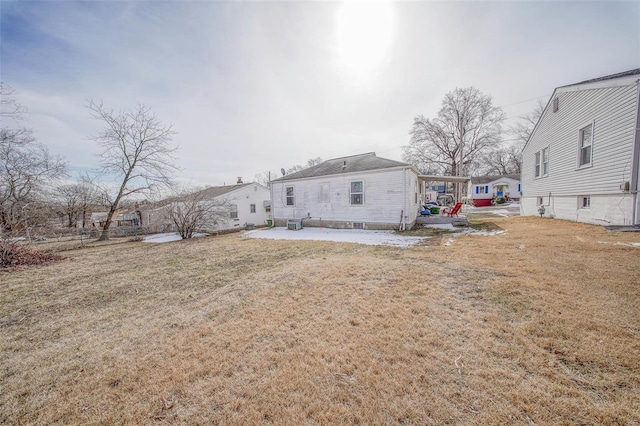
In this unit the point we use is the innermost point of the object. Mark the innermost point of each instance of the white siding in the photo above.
(243, 198)
(511, 190)
(612, 111)
(387, 193)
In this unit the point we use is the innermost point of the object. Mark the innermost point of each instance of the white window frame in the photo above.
(252, 208)
(584, 201)
(539, 201)
(541, 163)
(351, 193)
(481, 189)
(233, 211)
(581, 147)
(291, 197)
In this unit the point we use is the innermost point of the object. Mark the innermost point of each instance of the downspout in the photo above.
(635, 159)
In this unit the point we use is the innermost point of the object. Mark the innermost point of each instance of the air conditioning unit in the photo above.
(294, 225)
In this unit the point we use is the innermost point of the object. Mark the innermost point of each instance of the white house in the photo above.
(361, 192)
(482, 190)
(248, 204)
(581, 161)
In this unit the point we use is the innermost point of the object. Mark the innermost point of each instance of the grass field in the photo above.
(537, 325)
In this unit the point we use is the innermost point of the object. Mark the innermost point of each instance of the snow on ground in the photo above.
(463, 230)
(167, 237)
(378, 238)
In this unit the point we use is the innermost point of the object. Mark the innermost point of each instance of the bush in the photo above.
(13, 255)
(500, 200)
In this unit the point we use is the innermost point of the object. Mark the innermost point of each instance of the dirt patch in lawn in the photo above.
(540, 324)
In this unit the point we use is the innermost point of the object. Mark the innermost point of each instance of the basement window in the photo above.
(358, 225)
(585, 202)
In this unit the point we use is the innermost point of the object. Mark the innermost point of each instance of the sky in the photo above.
(257, 86)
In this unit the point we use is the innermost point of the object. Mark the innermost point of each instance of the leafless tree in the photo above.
(76, 200)
(137, 151)
(9, 106)
(507, 158)
(265, 177)
(310, 163)
(26, 167)
(467, 122)
(194, 211)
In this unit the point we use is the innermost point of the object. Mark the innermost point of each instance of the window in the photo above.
(539, 201)
(556, 104)
(323, 193)
(586, 143)
(290, 197)
(482, 189)
(357, 192)
(252, 208)
(233, 213)
(585, 202)
(542, 163)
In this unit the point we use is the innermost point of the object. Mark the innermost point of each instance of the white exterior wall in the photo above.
(612, 112)
(249, 194)
(387, 193)
(511, 191)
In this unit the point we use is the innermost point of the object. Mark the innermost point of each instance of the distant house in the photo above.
(581, 161)
(360, 192)
(482, 190)
(249, 203)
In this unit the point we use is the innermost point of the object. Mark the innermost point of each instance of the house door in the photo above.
(500, 190)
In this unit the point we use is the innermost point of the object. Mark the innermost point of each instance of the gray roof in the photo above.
(608, 77)
(491, 178)
(216, 191)
(350, 164)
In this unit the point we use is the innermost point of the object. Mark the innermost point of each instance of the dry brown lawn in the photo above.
(539, 325)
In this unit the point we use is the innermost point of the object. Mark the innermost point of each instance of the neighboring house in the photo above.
(482, 190)
(248, 204)
(581, 161)
(360, 191)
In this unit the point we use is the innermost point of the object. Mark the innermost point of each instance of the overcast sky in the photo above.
(256, 86)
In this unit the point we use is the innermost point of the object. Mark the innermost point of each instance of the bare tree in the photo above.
(507, 158)
(265, 177)
(310, 163)
(137, 151)
(466, 126)
(9, 106)
(75, 201)
(26, 167)
(194, 211)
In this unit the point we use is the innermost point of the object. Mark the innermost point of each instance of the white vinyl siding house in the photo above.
(581, 161)
(360, 192)
(483, 189)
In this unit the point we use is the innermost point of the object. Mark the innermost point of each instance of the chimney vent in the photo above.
(239, 180)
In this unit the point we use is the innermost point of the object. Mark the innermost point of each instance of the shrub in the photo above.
(13, 255)
(500, 200)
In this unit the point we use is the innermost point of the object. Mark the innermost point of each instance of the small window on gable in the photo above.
(586, 145)
(556, 104)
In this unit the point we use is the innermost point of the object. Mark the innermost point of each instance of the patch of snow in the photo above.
(635, 244)
(465, 231)
(167, 237)
(379, 238)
